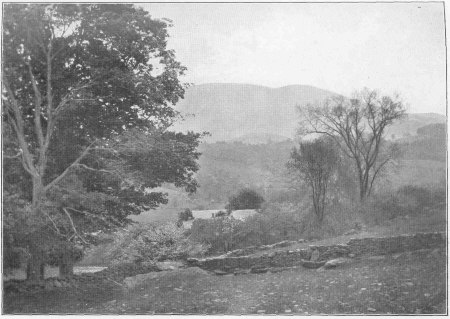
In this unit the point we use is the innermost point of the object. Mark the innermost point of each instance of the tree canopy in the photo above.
(316, 161)
(358, 126)
(88, 92)
(245, 199)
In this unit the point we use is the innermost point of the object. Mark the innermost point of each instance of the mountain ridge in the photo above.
(235, 111)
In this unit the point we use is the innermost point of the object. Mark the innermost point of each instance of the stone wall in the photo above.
(391, 245)
(355, 247)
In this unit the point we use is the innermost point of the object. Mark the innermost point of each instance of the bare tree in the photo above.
(358, 126)
(316, 161)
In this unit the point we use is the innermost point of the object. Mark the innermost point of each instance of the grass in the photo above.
(396, 284)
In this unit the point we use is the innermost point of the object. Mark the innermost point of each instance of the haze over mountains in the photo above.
(257, 114)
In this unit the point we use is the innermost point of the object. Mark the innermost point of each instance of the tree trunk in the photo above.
(38, 191)
(66, 269)
(36, 266)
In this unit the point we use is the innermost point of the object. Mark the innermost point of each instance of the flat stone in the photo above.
(258, 270)
(169, 265)
(333, 263)
(312, 264)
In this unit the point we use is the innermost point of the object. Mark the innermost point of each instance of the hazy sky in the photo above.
(394, 47)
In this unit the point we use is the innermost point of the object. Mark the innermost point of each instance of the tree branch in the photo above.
(73, 226)
(17, 123)
(63, 174)
(37, 108)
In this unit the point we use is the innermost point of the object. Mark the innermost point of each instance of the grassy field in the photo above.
(410, 283)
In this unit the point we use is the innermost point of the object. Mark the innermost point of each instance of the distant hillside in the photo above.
(231, 111)
(412, 122)
(256, 114)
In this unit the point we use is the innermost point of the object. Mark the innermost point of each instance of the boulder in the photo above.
(241, 271)
(333, 263)
(284, 243)
(220, 272)
(169, 265)
(351, 232)
(312, 264)
(258, 270)
(315, 255)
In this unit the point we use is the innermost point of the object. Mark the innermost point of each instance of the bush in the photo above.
(185, 215)
(146, 242)
(245, 199)
(341, 217)
(227, 233)
(407, 200)
(218, 233)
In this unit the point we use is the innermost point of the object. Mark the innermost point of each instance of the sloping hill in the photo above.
(256, 114)
(229, 111)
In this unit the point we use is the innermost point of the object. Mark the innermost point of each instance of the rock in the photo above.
(258, 270)
(169, 265)
(284, 243)
(312, 264)
(241, 271)
(371, 309)
(351, 255)
(288, 311)
(57, 284)
(315, 255)
(261, 311)
(333, 263)
(301, 241)
(219, 272)
(351, 232)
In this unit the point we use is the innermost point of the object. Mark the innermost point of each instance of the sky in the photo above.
(341, 47)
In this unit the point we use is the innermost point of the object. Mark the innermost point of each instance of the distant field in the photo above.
(157, 215)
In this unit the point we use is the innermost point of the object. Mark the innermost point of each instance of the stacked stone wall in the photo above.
(355, 247)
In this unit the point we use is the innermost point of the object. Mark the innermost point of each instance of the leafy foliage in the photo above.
(358, 126)
(406, 200)
(148, 242)
(316, 161)
(245, 199)
(89, 91)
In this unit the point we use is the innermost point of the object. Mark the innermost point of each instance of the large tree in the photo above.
(358, 126)
(88, 93)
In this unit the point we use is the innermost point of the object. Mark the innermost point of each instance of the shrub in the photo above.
(245, 199)
(407, 200)
(147, 242)
(218, 233)
(221, 213)
(227, 233)
(185, 215)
